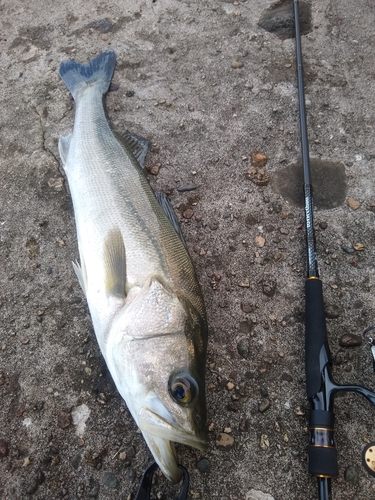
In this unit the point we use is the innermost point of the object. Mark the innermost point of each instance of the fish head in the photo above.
(158, 364)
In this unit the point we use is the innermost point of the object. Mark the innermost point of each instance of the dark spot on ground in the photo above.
(328, 181)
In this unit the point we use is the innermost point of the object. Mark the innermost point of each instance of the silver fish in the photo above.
(140, 284)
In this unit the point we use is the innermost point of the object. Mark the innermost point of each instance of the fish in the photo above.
(142, 290)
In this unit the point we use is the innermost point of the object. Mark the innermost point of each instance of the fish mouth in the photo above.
(160, 434)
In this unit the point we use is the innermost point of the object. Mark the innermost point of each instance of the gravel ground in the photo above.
(216, 95)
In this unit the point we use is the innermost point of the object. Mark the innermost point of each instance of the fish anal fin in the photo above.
(114, 258)
(138, 146)
(170, 213)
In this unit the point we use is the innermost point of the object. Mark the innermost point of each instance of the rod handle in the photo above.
(315, 336)
(322, 449)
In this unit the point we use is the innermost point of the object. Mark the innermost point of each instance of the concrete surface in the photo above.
(208, 87)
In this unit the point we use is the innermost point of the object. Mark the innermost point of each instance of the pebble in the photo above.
(351, 474)
(244, 283)
(258, 495)
(109, 480)
(264, 405)
(278, 256)
(188, 213)
(154, 170)
(358, 247)
(332, 311)
(347, 249)
(258, 159)
(4, 448)
(244, 425)
(250, 220)
(230, 386)
(243, 348)
(259, 177)
(64, 420)
(264, 442)
(236, 64)
(263, 392)
(247, 308)
(323, 225)
(186, 187)
(353, 204)
(224, 441)
(287, 377)
(268, 286)
(203, 465)
(260, 241)
(350, 340)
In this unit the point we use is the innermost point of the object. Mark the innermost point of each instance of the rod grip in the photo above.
(322, 449)
(315, 335)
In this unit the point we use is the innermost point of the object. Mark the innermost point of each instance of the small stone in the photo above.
(259, 160)
(347, 249)
(104, 37)
(203, 465)
(354, 204)
(109, 480)
(224, 441)
(332, 311)
(268, 286)
(278, 256)
(243, 348)
(260, 241)
(244, 425)
(287, 377)
(122, 455)
(264, 405)
(351, 474)
(57, 183)
(264, 442)
(358, 247)
(298, 411)
(4, 448)
(188, 213)
(259, 177)
(186, 187)
(64, 420)
(350, 340)
(230, 386)
(244, 283)
(263, 392)
(154, 170)
(323, 225)
(236, 64)
(214, 224)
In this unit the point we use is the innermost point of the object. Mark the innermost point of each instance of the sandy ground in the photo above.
(209, 87)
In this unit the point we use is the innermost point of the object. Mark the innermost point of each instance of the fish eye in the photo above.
(183, 388)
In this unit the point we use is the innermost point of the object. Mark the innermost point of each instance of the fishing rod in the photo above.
(320, 385)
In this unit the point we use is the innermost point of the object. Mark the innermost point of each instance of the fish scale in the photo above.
(142, 291)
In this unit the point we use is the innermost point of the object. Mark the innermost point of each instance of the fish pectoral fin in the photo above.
(64, 145)
(81, 275)
(138, 146)
(115, 264)
(170, 213)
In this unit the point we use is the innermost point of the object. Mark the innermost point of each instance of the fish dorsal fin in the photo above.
(114, 258)
(138, 146)
(64, 145)
(170, 213)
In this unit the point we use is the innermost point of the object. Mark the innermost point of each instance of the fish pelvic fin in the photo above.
(99, 71)
(81, 275)
(115, 264)
(64, 144)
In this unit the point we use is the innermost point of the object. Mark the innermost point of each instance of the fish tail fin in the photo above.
(99, 71)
